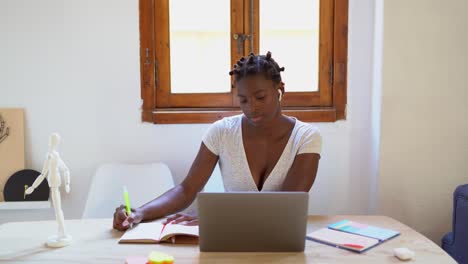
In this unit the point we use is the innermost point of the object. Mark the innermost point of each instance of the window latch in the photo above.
(240, 41)
(147, 57)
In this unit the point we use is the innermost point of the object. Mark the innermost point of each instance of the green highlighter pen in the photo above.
(127, 203)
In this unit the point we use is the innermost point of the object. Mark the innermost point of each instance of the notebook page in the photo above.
(143, 231)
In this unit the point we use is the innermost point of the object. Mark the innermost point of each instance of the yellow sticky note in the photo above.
(160, 258)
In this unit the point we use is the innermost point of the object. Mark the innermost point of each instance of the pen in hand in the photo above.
(127, 204)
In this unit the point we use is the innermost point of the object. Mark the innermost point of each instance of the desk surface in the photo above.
(94, 241)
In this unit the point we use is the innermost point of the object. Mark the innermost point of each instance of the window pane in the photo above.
(200, 46)
(290, 30)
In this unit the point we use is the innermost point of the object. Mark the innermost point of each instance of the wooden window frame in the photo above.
(161, 107)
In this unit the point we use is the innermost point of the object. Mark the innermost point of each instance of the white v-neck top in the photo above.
(224, 139)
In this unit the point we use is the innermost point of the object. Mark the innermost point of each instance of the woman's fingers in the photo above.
(119, 226)
(135, 217)
(179, 218)
(190, 222)
(172, 218)
(121, 215)
(120, 218)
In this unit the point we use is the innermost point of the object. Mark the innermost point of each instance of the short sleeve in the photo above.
(311, 143)
(212, 137)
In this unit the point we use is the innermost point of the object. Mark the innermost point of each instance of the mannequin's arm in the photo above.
(66, 174)
(36, 183)
(40, 178)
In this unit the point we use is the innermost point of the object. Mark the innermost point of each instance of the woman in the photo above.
(260, 150)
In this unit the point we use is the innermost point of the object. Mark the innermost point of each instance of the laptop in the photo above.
(252, 221)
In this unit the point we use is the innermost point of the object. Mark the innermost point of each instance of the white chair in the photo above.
(144, 182)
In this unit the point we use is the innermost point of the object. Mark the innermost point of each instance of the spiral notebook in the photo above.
(352, 236)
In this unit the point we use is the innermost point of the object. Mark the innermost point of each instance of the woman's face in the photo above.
(258, 98)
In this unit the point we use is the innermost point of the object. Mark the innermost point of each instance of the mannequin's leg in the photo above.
(58, 211)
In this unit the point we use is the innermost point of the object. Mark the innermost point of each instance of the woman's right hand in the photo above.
(122, 221)
(182, 219)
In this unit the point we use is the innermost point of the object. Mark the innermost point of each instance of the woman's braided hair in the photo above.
(257, 64)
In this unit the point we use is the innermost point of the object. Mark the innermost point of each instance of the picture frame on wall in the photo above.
(11, 144)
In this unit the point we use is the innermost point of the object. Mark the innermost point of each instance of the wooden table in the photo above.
(94, 241)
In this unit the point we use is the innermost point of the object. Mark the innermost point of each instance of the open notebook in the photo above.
(352, 235)
(156, 232)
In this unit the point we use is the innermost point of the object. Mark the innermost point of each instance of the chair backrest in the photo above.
(144, 182)
(460, 220)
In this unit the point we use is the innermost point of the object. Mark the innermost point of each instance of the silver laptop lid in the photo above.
(253, 221)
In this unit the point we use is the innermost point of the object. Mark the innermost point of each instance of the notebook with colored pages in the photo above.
(343, 240)
(156, 232)
(379, 233)
(353, 236)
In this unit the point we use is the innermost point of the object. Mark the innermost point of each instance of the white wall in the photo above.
(74, 67)
(424, 140)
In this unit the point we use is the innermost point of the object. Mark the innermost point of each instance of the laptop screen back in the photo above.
(253, 221)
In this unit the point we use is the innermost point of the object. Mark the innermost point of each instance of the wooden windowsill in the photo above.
(196, 116)
(24, 205)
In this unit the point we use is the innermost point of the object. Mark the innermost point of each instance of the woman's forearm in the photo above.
(172, 201)
(182, 195)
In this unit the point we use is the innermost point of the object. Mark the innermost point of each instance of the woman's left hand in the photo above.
(182, 219)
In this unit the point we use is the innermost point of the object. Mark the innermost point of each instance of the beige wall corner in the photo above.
(424, 133)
